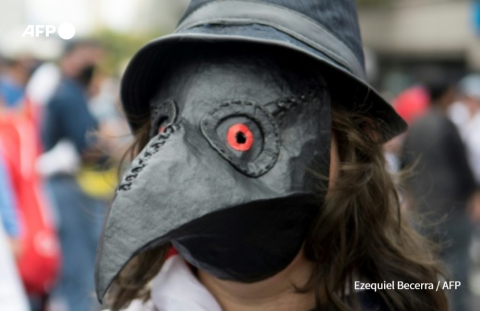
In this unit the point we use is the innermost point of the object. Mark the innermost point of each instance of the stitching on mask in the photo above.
(279, 107)
(152, 148)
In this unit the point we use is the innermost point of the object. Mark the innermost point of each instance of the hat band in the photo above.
(285, 20)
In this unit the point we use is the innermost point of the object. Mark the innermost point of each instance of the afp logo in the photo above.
(65, 31)
(451, 284)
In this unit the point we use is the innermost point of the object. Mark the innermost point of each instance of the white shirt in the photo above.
(176, 288)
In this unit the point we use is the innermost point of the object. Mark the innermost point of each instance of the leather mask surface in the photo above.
(228, 175)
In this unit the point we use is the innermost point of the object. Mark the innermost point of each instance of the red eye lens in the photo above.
(239, 137)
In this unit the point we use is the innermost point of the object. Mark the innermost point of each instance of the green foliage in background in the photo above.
(120, 47)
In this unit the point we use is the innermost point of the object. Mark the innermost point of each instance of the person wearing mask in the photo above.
(259, 180)
(67, 129)
(442, 184)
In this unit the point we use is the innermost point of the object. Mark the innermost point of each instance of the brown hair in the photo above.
(359, 233)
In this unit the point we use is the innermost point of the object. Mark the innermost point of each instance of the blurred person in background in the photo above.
(12, 294)
(8, 209)
(13, 79)
(469, 124)
(410, 104)
(2, 100)
(66, 129)
(99, 178)
(442, 185)
(466, 115)
(41, 87)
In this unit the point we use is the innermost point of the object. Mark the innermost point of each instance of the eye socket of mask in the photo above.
(162, 115)
(265, 135)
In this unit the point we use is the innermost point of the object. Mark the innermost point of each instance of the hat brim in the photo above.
(144, 72)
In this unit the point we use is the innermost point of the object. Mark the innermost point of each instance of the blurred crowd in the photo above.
(61, 138)
(439, 156)
(62, 135)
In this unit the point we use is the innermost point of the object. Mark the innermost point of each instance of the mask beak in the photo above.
(176, 179)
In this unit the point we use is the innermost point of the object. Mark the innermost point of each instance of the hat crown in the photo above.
(339, 17)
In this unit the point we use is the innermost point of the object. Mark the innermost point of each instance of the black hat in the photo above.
(326, 31)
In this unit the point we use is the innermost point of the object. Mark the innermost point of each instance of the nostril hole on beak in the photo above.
(241, 138)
